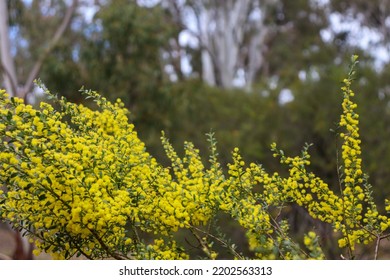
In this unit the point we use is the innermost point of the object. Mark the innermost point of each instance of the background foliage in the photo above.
(136, 52)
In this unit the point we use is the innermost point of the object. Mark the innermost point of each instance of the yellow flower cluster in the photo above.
(81, 182)
(305, 188)
(187, 198)
(76, 184)
(353, 213)
(361, 222)
(249, 195)
(161, 250)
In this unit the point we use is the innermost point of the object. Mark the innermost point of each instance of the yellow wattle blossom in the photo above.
(73, 179)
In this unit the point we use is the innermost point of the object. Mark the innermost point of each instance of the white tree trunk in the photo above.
(255, 51)
(231, 35)
(232, 25)
(208, 70)
(7, 62)
(223, 27)
(225, 30)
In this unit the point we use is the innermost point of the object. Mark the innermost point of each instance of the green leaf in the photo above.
(9, 116)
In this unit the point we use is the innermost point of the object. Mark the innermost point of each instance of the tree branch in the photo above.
(52, 44)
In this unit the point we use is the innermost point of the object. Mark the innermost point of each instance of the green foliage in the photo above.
(190, 108)
(118, 52)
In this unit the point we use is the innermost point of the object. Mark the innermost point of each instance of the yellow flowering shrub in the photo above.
(80, 182)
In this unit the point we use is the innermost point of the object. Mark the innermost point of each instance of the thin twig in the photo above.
(235, 253)
(205, 247)
(104, 246)
(378, 240)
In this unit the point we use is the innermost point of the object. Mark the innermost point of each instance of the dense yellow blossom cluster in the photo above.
(69, 181)
(352, 212)
(80, 182)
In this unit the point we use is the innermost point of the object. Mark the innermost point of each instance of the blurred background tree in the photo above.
(252, 71)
